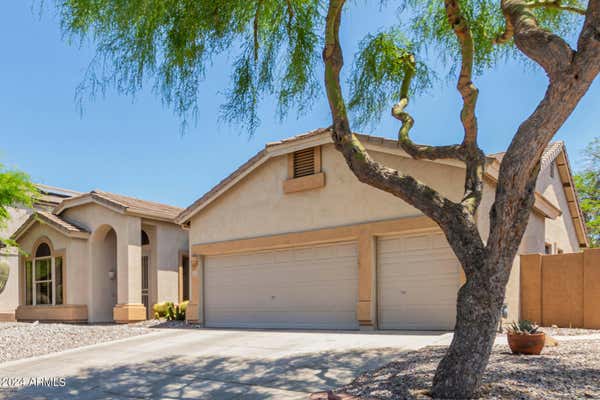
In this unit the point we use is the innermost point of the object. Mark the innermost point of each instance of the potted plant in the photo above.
(524, 337)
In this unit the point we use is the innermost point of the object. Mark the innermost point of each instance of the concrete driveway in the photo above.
(213, 364)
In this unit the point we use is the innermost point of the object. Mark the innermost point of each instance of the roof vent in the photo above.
(304, 162)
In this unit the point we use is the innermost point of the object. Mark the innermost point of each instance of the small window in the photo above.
(304, 162)
(145, 238)
(43, 250)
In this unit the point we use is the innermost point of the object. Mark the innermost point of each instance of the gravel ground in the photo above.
(569, 371)
(164, 324)
(556, 331)
(22, 340)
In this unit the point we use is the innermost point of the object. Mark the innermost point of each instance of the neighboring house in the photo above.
(9, 296)
(292, 239)
(100, 257)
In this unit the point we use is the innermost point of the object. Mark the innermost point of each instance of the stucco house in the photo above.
(49, 198)
(100, 257)
(292, 239)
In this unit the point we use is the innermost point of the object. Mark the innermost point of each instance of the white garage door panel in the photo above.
(296, 288)
(418, 280)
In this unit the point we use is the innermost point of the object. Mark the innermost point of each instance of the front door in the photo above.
(145, 281)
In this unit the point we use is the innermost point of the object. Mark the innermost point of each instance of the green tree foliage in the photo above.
(15, 189)
(276, 47)
(587, 183)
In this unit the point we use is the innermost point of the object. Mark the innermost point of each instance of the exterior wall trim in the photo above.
(325, 235)
(304, 183)
(62, 313)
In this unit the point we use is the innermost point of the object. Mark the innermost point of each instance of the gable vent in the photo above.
(304, 162)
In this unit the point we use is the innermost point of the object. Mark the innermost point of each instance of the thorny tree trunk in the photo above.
(487, 266)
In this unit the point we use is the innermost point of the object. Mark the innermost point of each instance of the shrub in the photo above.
(170, 311)
(523, 327)
(160, 309)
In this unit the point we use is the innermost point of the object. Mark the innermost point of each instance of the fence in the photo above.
(561, 289)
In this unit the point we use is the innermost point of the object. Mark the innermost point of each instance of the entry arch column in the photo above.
(129, 306)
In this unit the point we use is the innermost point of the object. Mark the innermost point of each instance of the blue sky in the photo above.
(134, 146)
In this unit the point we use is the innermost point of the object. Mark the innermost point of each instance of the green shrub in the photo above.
(183, 306)
(523, 327)
(160, 309)
(170, 311)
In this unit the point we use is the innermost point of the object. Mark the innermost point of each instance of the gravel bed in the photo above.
(164, 324)
(556, 331)
(569, 371)
(22, 340)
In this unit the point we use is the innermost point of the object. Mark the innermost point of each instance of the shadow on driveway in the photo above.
(206, 377)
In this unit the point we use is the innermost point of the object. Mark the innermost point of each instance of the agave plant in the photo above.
(523, 327)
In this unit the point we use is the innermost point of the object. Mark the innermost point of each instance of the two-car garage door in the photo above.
(317, 287)
(311, 287)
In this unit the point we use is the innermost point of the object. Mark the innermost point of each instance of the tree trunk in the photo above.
(479, 305)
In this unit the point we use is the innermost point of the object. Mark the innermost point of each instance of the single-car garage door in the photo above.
(313, 287)
(418, 281)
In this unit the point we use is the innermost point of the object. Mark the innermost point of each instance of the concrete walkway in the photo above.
(213, 364)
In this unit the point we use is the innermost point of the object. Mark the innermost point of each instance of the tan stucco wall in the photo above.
(533, 242)
(167, 241)
(562, 289)
(129, 253)
(560, 232)
(88, 261)
(76, 272)
(258, 206)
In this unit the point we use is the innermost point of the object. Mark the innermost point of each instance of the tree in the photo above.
(15, 190)
(277, 45)
(587, 183)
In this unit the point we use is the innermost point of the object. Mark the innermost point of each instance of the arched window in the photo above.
(44, 277)
(145, 238)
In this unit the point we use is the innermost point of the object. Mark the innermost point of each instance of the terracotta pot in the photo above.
(526, 343)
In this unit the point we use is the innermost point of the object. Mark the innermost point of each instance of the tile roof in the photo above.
(133, 205)
(550, 152)
(52, 195)
(54, 221)
(59, 222)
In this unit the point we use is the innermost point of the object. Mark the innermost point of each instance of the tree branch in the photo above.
(588, 44)
(556, 4)
(417, 151)
(547, 49)
(473, 156)
(508, 32)
(420, 151)
(458, 225)
(571, 75)
(255, 28)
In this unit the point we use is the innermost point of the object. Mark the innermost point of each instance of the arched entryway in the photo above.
(103, 274)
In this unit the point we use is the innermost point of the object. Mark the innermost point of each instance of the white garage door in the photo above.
(418, 281)
(313, 287)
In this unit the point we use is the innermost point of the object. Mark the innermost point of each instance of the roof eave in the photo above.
(38, 218)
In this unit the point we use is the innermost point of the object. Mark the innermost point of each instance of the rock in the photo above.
(550, 341)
